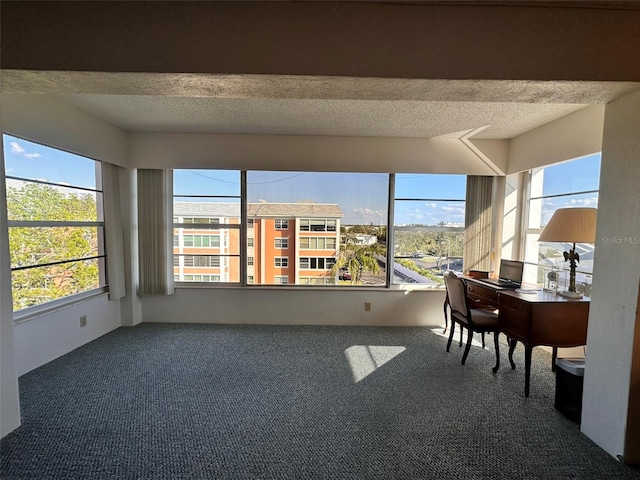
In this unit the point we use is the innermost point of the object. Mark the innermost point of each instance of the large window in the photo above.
(206, 211)
(336, 226)
(428, 226)
(332, 212)
(56, 227)
(568, 184)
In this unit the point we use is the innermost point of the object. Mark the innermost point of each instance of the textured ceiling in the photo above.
(382, 118)
(308, 105)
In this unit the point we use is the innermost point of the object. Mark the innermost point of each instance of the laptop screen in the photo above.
(511, 271)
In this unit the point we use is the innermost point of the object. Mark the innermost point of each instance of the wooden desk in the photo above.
(534, 319)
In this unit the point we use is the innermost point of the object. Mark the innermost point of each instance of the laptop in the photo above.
(510, 275)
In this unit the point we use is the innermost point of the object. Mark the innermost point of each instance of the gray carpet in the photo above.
(242, 402)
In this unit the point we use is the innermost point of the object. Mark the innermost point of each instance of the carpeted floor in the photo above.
(181, 401)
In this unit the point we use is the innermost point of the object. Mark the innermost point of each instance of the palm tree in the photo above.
(357, 259)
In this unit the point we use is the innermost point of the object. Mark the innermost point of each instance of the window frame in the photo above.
(284, 243)
(98, 224)
(529, 232)
(222, 228)
(281, 224)
(281, 262)
(305, 227)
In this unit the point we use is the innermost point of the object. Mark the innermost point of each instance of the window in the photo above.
(317, 281)
(200, 278)
(250, 279)
(281, 262)
(201, 240)
(318, 243)
(317, 263)
(317, 225)
(197, 220)
(250, 261)
(323, 207)
(429, 226)
(55, 220)
(207, 200)
(197, 261)
(281, 280)
(568, 184)
(250, 242)
(281, 243)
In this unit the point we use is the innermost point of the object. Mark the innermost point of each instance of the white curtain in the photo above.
(114, 239)
(477, 222)
(155, 231)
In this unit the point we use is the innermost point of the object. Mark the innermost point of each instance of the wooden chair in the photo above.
(473, 319)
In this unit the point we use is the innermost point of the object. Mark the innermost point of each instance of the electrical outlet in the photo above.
(83, 321)
(367, 306)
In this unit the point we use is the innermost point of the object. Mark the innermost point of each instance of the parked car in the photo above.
(344, 275)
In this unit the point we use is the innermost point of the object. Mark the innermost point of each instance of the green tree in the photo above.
(357, 259)
(31, 246)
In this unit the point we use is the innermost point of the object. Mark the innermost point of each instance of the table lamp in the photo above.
(572, 225)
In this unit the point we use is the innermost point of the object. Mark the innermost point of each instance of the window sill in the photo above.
(46, 308)
(332, 288)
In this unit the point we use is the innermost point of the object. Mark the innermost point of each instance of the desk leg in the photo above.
(512, 346)
(554, 356)
(527, 368)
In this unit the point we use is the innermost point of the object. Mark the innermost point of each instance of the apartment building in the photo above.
(287, 243)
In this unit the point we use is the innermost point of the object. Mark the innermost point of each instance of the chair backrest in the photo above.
(456, 293)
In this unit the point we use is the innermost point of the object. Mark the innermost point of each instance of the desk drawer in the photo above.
(514, 304)
(514, 317)
(482, 295)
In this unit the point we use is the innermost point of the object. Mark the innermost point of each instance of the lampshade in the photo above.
(576, 225)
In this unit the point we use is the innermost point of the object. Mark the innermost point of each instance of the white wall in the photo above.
(573, 136)
(616, 275)
(290, 306)
(10, 412)
(46, 119)
(41, 339)
(315, 153)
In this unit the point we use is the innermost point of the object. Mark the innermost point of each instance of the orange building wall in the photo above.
(271, 271)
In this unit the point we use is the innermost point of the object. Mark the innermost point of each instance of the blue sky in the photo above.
(361, 196)
(31, 160)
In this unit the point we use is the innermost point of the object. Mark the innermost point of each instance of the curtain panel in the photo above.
(477, 222)
(114, 237)
(155, 231)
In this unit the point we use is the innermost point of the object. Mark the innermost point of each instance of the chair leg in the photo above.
(446, 320)
(554, 357)
(453, 328)
(496, 336)
(468, 347)
(482, 339)
(460, 344)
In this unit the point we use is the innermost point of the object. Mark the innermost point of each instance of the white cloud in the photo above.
(459, 210)
(368, 211)
(368, 215)
(17, 149)
(431, 205)
(584, 202)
